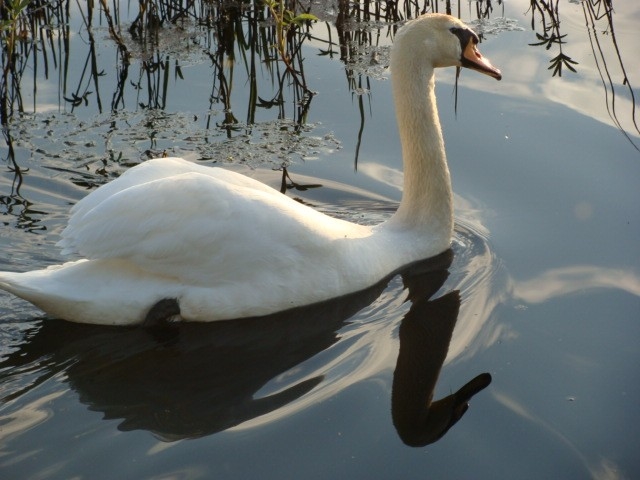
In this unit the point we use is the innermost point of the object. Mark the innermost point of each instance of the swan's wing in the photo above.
(194, 226)
(154, 170)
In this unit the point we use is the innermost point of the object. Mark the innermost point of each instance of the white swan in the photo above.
(171, 237)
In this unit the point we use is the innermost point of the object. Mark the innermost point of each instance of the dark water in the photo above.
(541, 288)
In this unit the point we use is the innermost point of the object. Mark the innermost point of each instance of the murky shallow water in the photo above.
(545, 259)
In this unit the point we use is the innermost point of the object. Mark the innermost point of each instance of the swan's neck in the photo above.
(427, 199)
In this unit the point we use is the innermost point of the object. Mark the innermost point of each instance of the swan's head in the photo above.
(437, 40)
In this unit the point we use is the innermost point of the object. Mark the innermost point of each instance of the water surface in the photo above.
(541, 287)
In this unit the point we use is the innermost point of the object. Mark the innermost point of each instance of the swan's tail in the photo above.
(29, 286)
(108, 293)
(11, 282)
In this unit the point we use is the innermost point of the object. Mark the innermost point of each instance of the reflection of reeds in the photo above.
(25, 34)
(15, 204)
(252, 34)
(594, 11)
(551, 35)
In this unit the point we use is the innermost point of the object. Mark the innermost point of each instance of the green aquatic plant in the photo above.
(11, 15)
(11, 29)
(287, 22)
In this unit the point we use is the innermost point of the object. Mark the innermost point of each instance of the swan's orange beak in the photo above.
(473, 59)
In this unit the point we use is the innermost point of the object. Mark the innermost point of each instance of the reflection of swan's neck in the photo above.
(427, 202)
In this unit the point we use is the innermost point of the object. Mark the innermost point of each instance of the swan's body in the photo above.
(220, 245)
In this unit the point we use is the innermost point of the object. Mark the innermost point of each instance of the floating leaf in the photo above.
(303, 17)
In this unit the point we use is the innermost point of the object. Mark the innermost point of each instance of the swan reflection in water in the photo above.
(189, 380)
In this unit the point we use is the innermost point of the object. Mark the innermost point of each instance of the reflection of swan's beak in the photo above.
(465, 393)
(473, 59)
(445, 413)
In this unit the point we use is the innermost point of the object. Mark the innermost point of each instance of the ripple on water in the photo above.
(176, 383)
(195, 380)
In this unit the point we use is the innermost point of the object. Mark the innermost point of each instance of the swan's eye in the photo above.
(465, 35)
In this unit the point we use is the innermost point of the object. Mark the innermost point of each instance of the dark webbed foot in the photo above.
(161, 313)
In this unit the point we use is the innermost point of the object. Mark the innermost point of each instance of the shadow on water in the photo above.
(193, 380)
